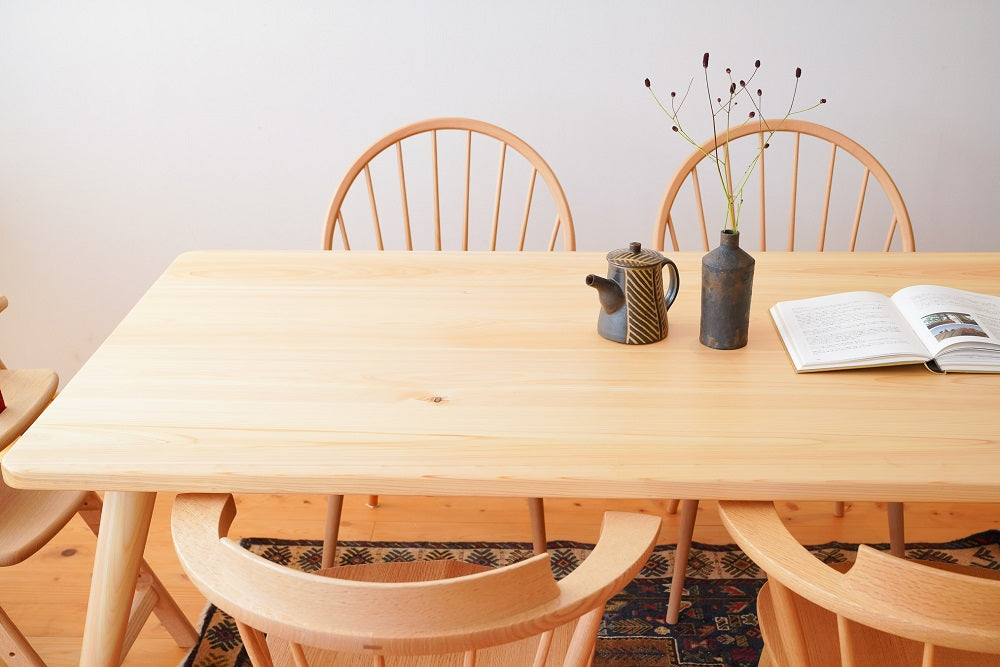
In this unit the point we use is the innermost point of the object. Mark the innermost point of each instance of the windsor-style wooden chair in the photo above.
(473, 134)
(462, 227)
(30, 519)
(853, 157)
(419, 614)
(882, 611)
(749, 140)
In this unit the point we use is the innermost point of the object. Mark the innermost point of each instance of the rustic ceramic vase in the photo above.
(726, 284)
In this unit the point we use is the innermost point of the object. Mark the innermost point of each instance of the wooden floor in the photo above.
(47, 595)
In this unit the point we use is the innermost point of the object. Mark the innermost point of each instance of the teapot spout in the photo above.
(610, 293)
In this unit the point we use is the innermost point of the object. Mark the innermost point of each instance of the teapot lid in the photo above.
(635, 256)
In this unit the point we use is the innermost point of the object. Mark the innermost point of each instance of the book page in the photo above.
(841, 329)
(946, 317)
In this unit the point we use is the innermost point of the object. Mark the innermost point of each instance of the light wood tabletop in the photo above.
(483, 374)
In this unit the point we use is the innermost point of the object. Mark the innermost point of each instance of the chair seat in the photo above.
(29, 519)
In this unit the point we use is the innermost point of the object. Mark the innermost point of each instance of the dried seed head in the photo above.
(729, 71)
(756, 64)
(673, 94)
(767, 145)
(704, 61)
(732, 88)
(647, 83)
(743, 84)
(674, 128)
(752, 114)
(798, 72)
(822, 100)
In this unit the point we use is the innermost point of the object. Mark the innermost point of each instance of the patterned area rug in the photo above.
(718, 624)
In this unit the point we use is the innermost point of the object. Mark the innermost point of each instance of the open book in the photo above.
(945, 328)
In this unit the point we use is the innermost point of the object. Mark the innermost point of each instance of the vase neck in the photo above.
(729, 239)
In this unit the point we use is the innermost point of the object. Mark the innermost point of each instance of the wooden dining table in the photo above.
(450, 373)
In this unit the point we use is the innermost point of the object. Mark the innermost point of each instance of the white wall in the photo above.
(130, 132)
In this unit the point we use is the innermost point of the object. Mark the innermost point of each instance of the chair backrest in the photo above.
(883, 610)
(423, 615)
(837, 210)
(458, 161)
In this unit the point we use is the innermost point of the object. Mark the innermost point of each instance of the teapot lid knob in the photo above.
(634, 256)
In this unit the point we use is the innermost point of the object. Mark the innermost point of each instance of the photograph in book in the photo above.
(949, 330)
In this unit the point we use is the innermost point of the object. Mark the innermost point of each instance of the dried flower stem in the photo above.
(734, 195)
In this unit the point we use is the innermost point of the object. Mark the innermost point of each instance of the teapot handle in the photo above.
(675, 282)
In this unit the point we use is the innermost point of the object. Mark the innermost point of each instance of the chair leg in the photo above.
(166, 608)
(334, 508)
(536, 507)
(838, 508)
(372, 502)
(689, 512)
(897, 543)
(672, 506)
(143, 603)
(17, 652)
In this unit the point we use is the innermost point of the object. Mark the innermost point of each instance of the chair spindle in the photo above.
(845, 640)
(402, 196)
(792, 634)
(729, 182)
(437, 194)
(826, 199)
(343, 231)
(555, 233)
(763, 206)
(527, 210)
(888, 238)
(701, 212)
(857, 214)
(795, 190)
(468, 176)
(298, 655)
(542, 651)
(374, 209)
(496, 203)
(255, 645)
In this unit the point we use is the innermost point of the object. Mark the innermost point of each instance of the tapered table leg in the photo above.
(897, 542)
(689, 511)
(120, 543)
(536, 508)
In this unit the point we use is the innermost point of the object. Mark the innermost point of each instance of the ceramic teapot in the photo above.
(633, 303)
